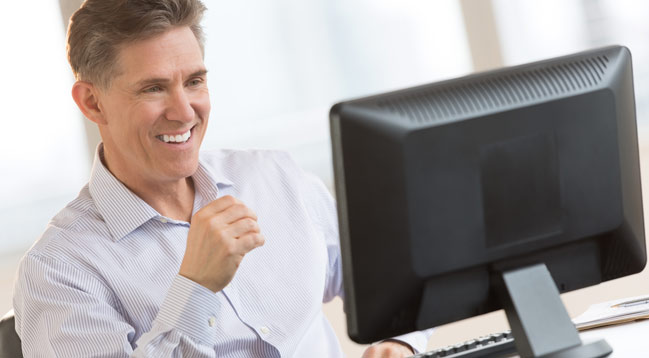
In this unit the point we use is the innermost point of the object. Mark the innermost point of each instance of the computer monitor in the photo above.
(456, 198)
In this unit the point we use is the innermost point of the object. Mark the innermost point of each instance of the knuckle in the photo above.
(239, 208)
(250, 224)
(242, 224)
(254, 240)
(229, 200)
(251, 213)
(212, 224)
(259, 239)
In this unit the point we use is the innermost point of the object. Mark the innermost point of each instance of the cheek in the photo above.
(148, 111)
(202, 105)
(142, 117)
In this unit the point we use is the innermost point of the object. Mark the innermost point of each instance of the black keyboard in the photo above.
(491, 346)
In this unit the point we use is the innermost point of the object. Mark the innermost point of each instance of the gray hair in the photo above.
(100, 27)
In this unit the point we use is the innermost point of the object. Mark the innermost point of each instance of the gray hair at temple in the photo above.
(98, 29)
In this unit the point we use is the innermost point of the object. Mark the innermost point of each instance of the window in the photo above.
(532, 30)
(44, 158)
(277, 67)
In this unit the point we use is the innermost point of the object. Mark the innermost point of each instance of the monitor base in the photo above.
(597, 349)
(538, 319)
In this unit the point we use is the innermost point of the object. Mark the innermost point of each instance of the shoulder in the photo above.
(71, 231)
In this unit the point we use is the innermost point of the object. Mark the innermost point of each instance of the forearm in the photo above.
(64, 312)
(186, 323)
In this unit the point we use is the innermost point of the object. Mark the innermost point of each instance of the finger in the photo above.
(234, 213)
(248, 242)
(242, 227)
(218, 205)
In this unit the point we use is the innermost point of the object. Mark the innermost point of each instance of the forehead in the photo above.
(172, 52)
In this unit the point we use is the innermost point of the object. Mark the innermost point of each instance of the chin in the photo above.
(184, 170)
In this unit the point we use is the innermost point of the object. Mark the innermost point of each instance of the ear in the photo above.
(86, 95)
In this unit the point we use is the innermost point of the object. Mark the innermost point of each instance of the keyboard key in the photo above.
(494, 345)
(484, 341)
(448, 351)
(497, 336)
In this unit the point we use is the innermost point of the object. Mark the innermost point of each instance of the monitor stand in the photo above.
(538, 319)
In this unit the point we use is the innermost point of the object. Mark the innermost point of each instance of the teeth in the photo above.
(179, 138)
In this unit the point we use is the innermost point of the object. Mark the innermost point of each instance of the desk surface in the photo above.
(627, 340)
(630, 340)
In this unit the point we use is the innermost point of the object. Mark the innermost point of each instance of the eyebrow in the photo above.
(153, 80)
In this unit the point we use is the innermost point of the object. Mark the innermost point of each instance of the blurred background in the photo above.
(275, 69)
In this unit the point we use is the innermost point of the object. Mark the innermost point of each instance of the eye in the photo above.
(195, 82)
(153, 89)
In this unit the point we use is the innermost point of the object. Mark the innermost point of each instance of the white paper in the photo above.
(614, 311)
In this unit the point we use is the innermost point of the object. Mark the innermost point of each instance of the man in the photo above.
(159, 256)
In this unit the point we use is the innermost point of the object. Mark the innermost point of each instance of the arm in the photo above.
(62, 311)
(322, 210)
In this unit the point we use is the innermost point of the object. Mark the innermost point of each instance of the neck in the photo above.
(171, 198)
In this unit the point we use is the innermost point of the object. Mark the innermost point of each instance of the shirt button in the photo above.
(211, 321)
(264, 330)
(163, 220)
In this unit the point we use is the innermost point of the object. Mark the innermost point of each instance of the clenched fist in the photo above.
(221, 233)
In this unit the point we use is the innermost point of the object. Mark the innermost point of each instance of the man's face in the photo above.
(156, 109)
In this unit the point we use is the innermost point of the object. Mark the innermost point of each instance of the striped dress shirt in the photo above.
(103, 281)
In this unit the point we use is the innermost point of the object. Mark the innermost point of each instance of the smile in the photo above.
(178, 138)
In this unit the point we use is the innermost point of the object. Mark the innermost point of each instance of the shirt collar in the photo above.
(123, 211)
(208, 179)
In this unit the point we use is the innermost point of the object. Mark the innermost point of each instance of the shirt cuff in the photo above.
(418, 340)
(190, 308)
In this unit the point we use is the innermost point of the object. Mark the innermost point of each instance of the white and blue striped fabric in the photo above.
(103, 281)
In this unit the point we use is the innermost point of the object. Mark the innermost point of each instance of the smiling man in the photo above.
(168, 251)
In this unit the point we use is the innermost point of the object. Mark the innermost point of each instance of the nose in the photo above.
(179, 107)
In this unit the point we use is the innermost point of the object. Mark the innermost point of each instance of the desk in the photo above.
(630, 340)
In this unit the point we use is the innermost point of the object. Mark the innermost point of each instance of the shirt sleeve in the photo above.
(321, 207)
(62, 311)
